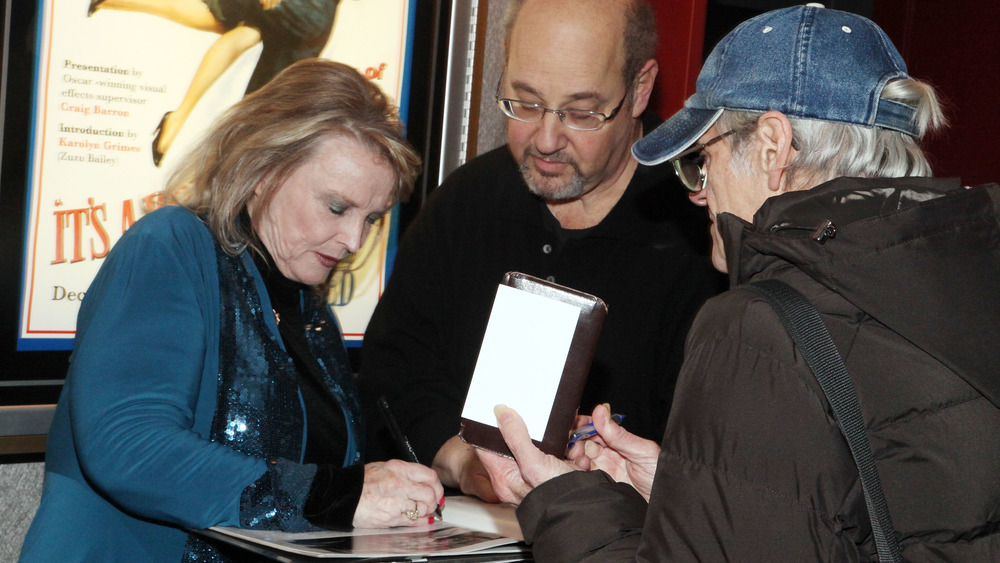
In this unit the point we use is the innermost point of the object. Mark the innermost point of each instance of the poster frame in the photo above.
(35, 377)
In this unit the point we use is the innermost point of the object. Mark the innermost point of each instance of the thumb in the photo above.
(613, 434)
(515, 433)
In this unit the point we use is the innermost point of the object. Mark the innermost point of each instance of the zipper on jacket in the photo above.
(825, 230)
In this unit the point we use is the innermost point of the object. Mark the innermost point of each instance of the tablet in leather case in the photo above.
(568, 388)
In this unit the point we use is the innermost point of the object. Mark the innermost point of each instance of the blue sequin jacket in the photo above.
(153, 434)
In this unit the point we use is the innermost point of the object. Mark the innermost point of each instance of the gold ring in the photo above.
(413, 514)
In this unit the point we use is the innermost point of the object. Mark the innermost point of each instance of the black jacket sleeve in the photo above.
(334, 495)
(583, 516)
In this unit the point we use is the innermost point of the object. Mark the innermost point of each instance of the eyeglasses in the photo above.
(578, 119)
(688, 164)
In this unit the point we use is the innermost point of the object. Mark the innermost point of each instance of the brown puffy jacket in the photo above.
(753, 466)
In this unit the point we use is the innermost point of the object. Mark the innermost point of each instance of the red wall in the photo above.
(954, 45)
(681, 24)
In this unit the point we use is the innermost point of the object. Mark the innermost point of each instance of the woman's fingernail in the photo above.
(430, 519)
(441, 502)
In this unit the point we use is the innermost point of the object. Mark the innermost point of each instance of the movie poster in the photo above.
(124, 88)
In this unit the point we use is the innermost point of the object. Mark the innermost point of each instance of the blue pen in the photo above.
(588, 430)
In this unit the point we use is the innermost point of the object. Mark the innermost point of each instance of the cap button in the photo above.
(815, 5)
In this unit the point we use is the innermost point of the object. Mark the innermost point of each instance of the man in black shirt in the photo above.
(563, 200)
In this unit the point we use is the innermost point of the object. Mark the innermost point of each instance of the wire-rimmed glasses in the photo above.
(578, 119)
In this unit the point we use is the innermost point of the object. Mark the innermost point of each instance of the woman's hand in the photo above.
(457, 466)
(398, 493)
(626, 457)
(514, 478)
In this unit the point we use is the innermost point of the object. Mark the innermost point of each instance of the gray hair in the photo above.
(639, 41)
(830, 149)
(266, 136)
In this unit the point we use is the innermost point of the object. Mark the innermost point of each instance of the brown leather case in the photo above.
(574, 375)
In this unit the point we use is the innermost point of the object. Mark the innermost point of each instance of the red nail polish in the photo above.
(430, 520)
(441, 502)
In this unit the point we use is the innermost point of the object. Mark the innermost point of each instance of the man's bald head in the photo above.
(635, 21)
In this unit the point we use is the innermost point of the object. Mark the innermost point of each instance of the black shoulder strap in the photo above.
(813, 340)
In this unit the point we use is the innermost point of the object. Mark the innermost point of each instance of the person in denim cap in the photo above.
(803, 141)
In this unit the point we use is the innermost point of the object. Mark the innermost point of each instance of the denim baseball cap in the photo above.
(806, 61)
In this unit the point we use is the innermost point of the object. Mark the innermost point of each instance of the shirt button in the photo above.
(551, 278)
(547, 248)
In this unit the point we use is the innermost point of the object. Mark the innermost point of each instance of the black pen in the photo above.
(401, 440)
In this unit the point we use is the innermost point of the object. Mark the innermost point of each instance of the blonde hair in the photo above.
(261, 140)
